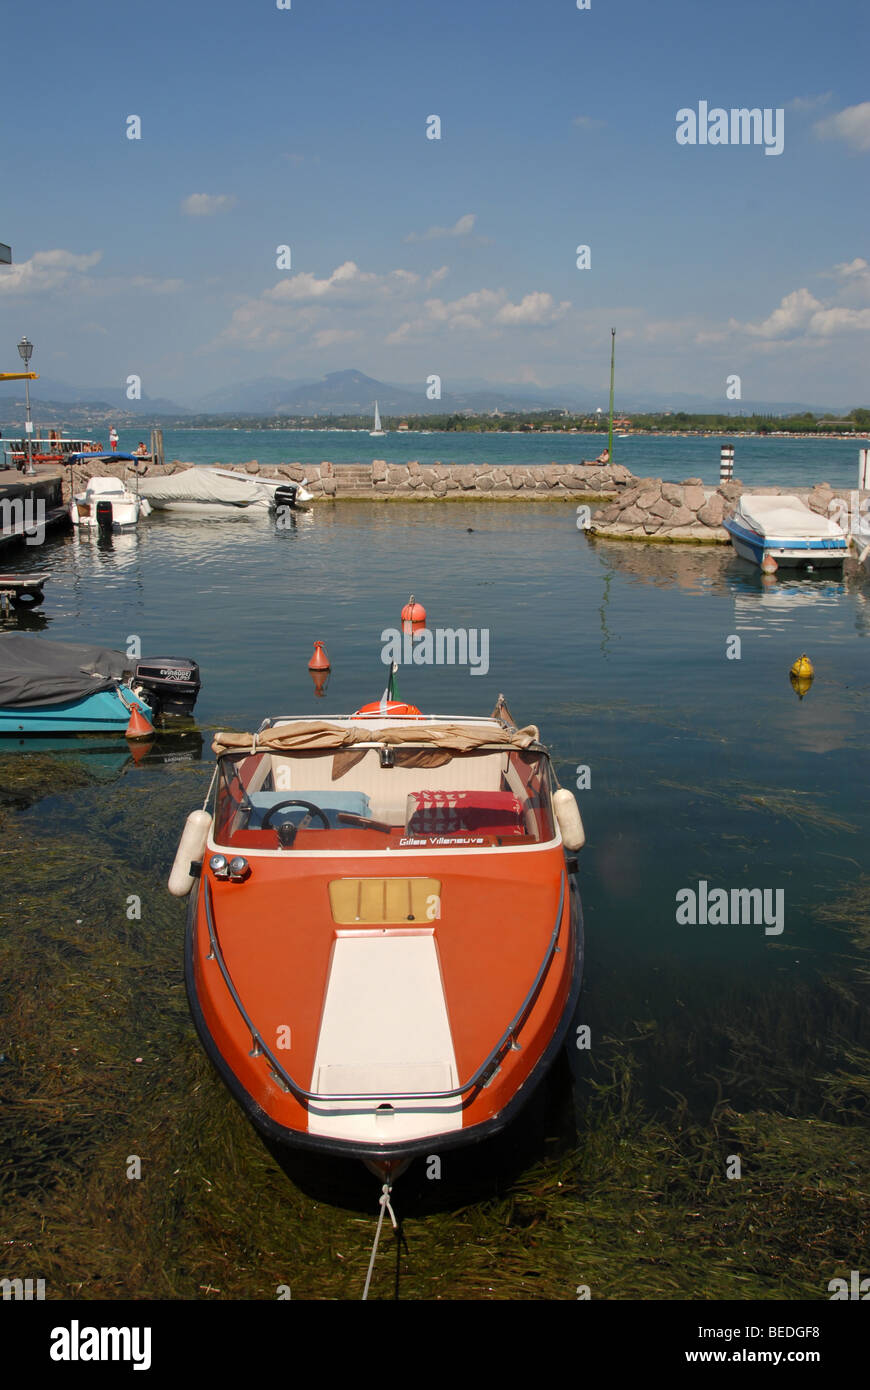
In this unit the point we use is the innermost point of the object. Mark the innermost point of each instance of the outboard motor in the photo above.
(170, 684)
(285, 496)
(105, 516)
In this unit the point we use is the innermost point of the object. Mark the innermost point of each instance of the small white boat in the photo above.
(377, 431)
(108, 504)
(787, 530)
(221, 493)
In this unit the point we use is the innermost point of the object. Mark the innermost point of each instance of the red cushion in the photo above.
(456, 813)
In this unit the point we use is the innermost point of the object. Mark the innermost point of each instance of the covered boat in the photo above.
(787, 530)
(216, 492)
(49, 687)
(107, 503)
(384, 937)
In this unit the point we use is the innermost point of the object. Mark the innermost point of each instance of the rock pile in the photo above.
(413, 481)
(654, 510)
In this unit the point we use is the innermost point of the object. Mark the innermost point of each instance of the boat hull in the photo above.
(818, 552)
(389, 1157)
(103, 712)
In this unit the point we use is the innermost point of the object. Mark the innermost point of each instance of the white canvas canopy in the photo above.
(201, 485)
(784, 518)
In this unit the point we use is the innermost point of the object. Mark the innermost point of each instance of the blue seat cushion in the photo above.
(330, 802)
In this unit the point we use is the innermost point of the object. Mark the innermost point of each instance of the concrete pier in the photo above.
(25, 500)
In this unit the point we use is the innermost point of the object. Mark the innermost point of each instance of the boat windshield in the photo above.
(383, 798)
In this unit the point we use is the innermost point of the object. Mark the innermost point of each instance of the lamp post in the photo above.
(25, 349)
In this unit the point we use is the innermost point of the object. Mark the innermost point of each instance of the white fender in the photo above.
(568, 817)
(190, 850)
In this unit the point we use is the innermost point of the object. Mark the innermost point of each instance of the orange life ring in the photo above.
(397, 707)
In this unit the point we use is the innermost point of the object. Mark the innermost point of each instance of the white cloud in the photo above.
(538, 308)
(463, 227)
(436, 276)
(800, 317)
(207, 204)
(46, 270)
(306, 286)
(795, 313)
(809, 103)
(481, 311)
(852, 125)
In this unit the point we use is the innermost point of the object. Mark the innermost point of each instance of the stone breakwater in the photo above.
(413, 481)
(653, 510)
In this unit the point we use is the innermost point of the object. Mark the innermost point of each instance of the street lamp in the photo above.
(25, 349)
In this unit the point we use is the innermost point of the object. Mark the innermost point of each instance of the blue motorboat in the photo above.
(787, 531)
(49, 687)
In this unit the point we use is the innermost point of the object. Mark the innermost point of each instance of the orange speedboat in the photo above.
(384, 940)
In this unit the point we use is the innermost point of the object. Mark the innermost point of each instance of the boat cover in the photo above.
(103, 458)
(784, 518)
(315, 733)
(200, 485)
(36, 672)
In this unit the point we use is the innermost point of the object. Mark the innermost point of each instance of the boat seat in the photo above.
(330, 802)
(457, 813)
(388, 789)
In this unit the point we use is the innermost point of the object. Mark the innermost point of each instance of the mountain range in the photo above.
(351, 392)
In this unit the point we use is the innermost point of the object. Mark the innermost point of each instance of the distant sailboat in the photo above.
(373, 434)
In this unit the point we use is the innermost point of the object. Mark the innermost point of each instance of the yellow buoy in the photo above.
(803, 668)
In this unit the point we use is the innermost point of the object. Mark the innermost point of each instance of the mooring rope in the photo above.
(384, 1201)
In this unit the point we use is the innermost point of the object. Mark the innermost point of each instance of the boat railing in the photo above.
(481, 1077)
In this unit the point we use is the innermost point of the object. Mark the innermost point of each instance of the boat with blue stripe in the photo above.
(786, 530)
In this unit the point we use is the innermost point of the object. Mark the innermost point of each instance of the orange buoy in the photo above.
(413, 612)
(319, 660)
(769, 565)
(397, 707)
(139, 726)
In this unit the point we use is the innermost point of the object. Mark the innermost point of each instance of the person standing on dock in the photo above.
(113, 439)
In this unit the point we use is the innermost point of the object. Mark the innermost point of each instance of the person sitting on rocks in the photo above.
(604, 456)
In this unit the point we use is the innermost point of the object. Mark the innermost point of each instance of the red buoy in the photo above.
(319, 660)
(413, 612)
(139, 726)
(321, 681)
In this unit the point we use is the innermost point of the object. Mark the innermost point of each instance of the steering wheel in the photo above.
(294, 801)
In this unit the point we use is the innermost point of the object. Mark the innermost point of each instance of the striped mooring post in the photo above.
(726, 463)
(863, 469)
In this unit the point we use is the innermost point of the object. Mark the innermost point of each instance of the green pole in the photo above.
(612, 356)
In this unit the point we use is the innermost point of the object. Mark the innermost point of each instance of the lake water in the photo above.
(701, 767)
(756, 460)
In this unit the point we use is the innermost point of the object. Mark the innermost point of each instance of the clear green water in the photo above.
(704, 1038)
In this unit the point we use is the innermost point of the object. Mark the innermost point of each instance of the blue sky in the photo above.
(307, 127)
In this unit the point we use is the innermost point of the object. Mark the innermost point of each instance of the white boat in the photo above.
(787, 530)
(108, 504)
(220, 492)
(377, 431)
